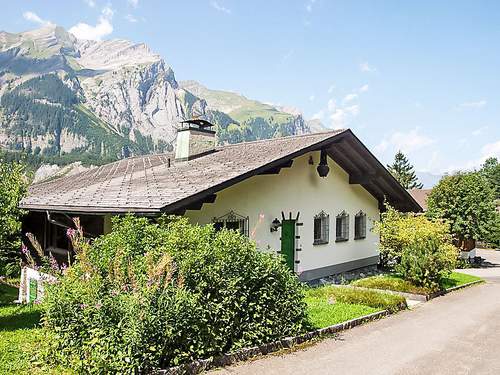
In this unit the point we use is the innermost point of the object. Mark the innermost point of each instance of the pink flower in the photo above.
(53, 264)
(70, 233)
(24, 249)
(83, 305)
(98, 305)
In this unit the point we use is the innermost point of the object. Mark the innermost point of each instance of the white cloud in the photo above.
(340, 116)
(364, 88)
(479, 131)
(490, 150)
(352, 110)
(311, 98)
(473, 105)
(103, 27)
(332, 105)
(309, 5)
(134, 3)
(405, 141)
(382, 146)
(33, 17)
(318, 115)
(331, 88)
(365, 67)
(349, 98)
(90, 3)
(130, 18)
(432, 163)
(214, 4)
(107, 12)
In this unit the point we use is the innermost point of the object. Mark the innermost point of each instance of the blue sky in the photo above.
(421, 76)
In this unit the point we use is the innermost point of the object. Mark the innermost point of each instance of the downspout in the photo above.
(55, 222)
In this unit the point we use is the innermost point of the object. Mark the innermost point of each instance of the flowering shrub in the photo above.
(415, 246)
(155, 295)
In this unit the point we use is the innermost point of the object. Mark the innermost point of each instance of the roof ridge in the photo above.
(333, 132)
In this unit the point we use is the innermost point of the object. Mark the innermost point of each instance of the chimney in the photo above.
(194, 139)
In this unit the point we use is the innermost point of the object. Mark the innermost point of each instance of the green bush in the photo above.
(399, 230)
(154, 295)
(427, 263)
(419, 248)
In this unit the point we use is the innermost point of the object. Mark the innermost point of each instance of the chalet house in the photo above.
(313, 197)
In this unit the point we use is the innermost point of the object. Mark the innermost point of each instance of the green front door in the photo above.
(33, 290)
(288, 242)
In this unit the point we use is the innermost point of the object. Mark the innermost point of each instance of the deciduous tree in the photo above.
(466, 200)
(13, 185)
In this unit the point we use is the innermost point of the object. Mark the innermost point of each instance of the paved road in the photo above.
(455, 334)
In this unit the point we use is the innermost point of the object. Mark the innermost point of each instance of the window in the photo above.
(232, 220)
(360, 226)
(321, 228)
(342, 227)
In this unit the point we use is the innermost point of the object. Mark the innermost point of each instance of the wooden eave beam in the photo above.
(198, 204)
(345, 163)
(277, 169)
(363, 179)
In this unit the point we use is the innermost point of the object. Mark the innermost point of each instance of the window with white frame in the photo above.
(232, 220)
(321, 228)
(342, 227)
(360, 226)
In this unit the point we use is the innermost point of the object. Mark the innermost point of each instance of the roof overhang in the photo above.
(352, 156)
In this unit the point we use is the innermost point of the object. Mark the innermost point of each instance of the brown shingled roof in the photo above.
(147, 185)
(420, 195)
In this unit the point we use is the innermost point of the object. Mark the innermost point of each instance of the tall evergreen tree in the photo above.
(403, 171)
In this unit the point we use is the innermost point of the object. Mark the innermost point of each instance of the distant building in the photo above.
(420, 195)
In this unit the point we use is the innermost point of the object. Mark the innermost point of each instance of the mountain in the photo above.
(428, 179)
(65, 100)
(247, 119)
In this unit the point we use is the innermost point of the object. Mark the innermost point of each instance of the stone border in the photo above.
(452, 289)
(412, 296)
(200, 365)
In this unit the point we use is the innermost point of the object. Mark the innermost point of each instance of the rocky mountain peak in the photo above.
(114, 54)
(101, 100)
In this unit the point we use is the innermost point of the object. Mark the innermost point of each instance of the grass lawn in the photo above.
(20, 336)
(390, 282)
(329, 305)
(396, 283)
(458, 278)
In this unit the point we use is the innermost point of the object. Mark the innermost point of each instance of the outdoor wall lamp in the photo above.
(275, 224)
(323, 167)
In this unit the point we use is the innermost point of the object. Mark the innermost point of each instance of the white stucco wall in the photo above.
(300, 189)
